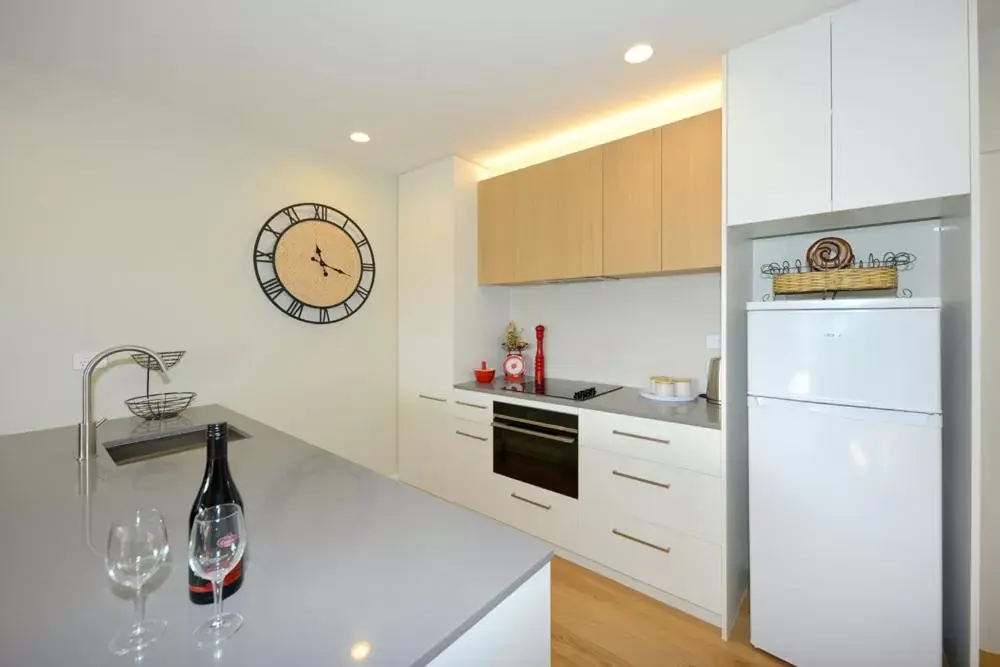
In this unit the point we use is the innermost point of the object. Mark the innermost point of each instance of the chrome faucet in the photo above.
(87, 447)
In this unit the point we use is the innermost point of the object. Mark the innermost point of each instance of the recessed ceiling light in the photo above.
(639, 53)
(360, 137)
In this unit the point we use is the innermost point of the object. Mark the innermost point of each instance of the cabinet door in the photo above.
(423, 443)
(496, 248)
(426, 279)
(632, 205)
(989, 77)
(900, 101)
(778, 125)
(692, 193)
(559, 218)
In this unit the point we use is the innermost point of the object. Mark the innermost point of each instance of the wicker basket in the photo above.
(840, 280)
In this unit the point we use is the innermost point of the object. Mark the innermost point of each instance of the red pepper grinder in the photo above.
(539, 356)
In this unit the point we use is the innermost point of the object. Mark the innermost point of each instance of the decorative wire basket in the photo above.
(160, 406)
(170, 359)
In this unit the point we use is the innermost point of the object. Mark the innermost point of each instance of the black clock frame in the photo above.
(274, 285)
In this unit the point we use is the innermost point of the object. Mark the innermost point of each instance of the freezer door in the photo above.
(877, 358)
(845, 535)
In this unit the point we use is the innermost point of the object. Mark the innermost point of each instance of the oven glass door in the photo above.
(536, 447)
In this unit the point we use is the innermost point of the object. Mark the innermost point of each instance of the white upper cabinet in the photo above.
(989, 76)
(426, 280)
(900, 101)
(778, 125)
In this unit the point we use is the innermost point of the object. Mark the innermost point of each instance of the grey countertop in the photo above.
(624, 401)
(337, 554)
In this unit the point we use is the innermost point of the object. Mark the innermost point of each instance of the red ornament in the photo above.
(539, 356)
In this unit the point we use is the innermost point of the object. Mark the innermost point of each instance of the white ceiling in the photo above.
(425, 78)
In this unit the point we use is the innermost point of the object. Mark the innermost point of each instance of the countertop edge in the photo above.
(653, 411)
(456, 634)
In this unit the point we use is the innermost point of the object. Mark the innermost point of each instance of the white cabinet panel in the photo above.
(472, 406)
(550, 516)
(683, 566)
(679, 445)
(778, 125)
(468, 464)
(426, 280)
(900, 101)
(685, 501)
(423, 440)
(989, 75)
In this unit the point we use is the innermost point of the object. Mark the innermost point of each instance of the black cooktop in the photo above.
(569, 389)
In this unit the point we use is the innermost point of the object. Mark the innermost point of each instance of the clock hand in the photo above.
(322, 265)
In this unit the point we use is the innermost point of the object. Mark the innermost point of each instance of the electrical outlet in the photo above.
(81, 359)
(713, 341)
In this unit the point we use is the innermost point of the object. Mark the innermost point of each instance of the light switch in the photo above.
(713, 341)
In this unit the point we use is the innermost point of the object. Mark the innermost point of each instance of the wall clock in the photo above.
(314, 263)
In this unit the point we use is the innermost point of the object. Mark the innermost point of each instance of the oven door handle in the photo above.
(548, 436)
(535, 422)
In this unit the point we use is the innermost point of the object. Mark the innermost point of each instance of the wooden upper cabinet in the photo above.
(558, 213)
(497, 250)
(692, 193)
(632, 205)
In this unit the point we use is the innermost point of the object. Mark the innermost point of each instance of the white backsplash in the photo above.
(922, 239)
(623, 331)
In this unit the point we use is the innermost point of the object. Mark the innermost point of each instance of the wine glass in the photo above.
(218, 539)
(137, 548)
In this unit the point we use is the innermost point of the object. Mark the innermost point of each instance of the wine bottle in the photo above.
(217, 487)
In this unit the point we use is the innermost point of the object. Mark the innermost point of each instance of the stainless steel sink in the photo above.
(131, 450)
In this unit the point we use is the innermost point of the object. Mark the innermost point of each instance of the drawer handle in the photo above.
(640, 479)
(530, 502)
(470, 405)
(538, 434)
(474, 437)
(644, 543)
(641, 437)
(433, 398)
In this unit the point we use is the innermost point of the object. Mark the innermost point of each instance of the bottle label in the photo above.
(206, 587)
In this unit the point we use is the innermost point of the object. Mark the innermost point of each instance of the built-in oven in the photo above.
(537, 447)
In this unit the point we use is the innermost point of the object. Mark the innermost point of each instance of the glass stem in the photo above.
(217, 594)
(140, 610)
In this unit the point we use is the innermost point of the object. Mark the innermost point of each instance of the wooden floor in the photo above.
(597, 622)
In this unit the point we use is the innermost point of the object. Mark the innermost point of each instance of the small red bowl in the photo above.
(485, 375)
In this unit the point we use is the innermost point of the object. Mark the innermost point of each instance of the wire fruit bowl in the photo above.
(160, 406)
(170, 359)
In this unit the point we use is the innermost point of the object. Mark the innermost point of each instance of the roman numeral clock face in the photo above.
(314, 263)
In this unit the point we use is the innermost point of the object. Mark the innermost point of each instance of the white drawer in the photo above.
(680, 565)
(472, 406)
(469, 464)
(550, 516)
(679, 445)
(686, 501)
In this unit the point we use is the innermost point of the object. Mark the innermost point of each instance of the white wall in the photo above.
(124, 223)
(922, 239)
(622, 331)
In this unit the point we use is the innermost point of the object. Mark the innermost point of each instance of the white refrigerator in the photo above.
(845, 481)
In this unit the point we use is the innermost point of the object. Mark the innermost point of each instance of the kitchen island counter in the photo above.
(339, 557)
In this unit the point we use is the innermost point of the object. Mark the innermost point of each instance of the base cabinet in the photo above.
(651, 492)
